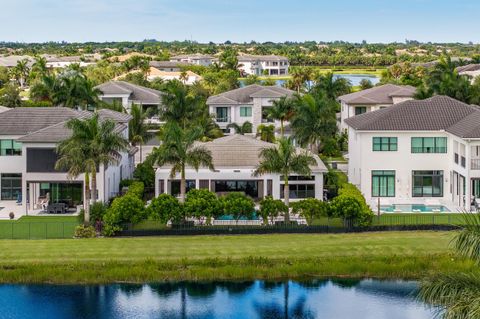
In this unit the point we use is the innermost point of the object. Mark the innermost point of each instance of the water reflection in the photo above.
(250, 299)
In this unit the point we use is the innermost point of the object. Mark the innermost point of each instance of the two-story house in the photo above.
(245, 104)
(263, 64)
(420, 155)
(197, 59)
(28, 178)
(378, 97)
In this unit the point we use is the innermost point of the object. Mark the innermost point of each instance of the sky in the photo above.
(240, 20)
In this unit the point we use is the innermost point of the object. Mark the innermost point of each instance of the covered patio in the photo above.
(58, 197)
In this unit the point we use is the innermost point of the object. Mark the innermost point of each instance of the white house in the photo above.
(54, 62)
(372, 99)
(261, 64)
(245, 104)
(472, 70)
(197, 59)
(188, 77)
(235, 157)
(417, 152)
(168, 66)
(29, 181)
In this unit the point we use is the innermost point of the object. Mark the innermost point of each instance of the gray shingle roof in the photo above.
(468, 68)
(378, 95)
(195, 56)
(244, 95)
(138, 94)
(433, 114)
(114, 115)
(167, 64)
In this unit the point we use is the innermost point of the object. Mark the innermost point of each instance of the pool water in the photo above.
(414, 208)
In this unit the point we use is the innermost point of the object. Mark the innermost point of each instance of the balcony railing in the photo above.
(475, 163)
(225, 119)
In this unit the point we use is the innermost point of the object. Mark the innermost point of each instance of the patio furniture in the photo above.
(57, 208)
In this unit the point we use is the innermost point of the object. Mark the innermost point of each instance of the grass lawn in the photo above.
(382, 255)
(38, 227)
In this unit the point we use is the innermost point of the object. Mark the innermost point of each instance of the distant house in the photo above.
(197, 59)
(245, 104)
(472, 70)
(54, 62)
(11, 61)
(127, 94)
(261, 64)
(168, 66)
(235, 158)
(190, 77)
(372, 99)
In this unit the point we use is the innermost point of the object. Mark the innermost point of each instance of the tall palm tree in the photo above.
(39, 68)
(284, 159)
(210, 129)
(93, 142)
(21, 72)
(300, 76)
(281, 110)
(458, 294)
(243, 129)
(314, 120)
(178, 149)
(179, 105)
(138, 132)
(331, 87)
(266, 132)
(43, 89)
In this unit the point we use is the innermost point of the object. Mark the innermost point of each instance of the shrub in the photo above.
(125, 209)
(165, 207)
(349, 189)
(238, 205)
(145, 173)
(202, 203)
(97, 212)
(126, 182)
(350, 209)
(136, 189)
(271, 208)
(83, 231)
(310, 209)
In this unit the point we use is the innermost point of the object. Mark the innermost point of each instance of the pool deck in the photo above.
(451, 208)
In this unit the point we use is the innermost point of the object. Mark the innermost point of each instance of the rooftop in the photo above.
(468, 68)
(167, 64)
(244, 95)
(137, 93)
(383, 94)
(251, 57)
(195, 56)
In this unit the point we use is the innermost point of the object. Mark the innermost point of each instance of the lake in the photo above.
(338, 299)
(353, 78)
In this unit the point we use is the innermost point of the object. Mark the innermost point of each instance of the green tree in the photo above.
(165, 207)
(330, 87)
(93, 142)
(252, 79)
(284, 159)
(179, 105)
(202, 203)
(44, 88)
(145, 173)
(266, 132)
(243, 129)
(238, 205)
(271, 208)
(21, 71)
(10, 96)
(178, 148)
(281, 110)
(310, 209)
(366, 84)
(138, 132)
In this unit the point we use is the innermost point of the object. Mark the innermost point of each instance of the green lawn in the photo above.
(38, 227)
(383, 255)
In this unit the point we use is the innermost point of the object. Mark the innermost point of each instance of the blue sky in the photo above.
(240, 20)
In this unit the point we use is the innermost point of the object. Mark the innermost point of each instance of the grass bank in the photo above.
(382, 255)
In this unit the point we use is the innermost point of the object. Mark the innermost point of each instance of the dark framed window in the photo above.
(360, 110)
(222, 114)
(299, 190)
(427, 183)
(384, 144)
(10, 148)
(298, 178)
(11, 186)
(250, 188)
(429, 145)
(245, 111)
(383, 183)
(175, 186)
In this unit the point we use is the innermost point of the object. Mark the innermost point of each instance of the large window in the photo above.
(250, 188)
(175, 186)
(67, 193)
(222, 114)
(245, 111)
(360, 110)
(299, 190)
(383, 183)
(384, 143)
(10, 148)
(429, 144)
(11, 185)
(427, 183)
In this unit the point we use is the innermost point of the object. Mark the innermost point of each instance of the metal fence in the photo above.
(37, 230)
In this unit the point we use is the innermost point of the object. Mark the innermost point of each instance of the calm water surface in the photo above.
(353, 78)
(336, 299)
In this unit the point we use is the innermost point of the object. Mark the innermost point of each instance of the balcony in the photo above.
(223, 119)
(475, 164)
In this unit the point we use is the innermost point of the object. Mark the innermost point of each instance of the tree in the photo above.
(21, 72)
(179, 105)
(238, 205)
(145, 173)
(10, 96)
(281, 110)
(39, 69)
(300, 76)
(266, 132)
(310, 209)
(228, 59)
(346, 207)
(271, 208)
(165, 207)
(330, 87)
(251, 79)
(366, 84)
(284, 159)
(178, 148)
(43, 88)
(457, 294)
(314, 120)
(93, 142)
(243, 129)
(138, 133)
(202, 203)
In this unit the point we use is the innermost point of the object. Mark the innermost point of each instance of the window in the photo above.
(427, 183)
(384, 143)
(429, 144)
(298, 178)
(383, 183)
(245, 111)
(222, 114)
(299, 190)
(360, 110)
(11, 186)
(175, 187)
(250, 188)
(10, 148)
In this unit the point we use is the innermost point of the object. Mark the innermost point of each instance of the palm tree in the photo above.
(73, 89)
(138, 132)
(243, 129)
(21, 71)
(330, 87)
(39, 68)
(210, 129)
(282, 110)
(300, 76)
(457, 294)
(314, 120)
(93, 142)
(179, 105)
(44, 88)
(284, 159)
(266, 132)
(178, 149)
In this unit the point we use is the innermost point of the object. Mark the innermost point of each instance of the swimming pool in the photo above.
(414, 208)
